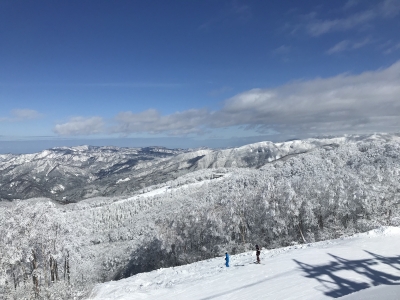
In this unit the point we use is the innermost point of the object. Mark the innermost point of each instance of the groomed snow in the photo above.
(363, 266)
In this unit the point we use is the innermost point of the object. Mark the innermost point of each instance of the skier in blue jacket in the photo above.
(227, 259)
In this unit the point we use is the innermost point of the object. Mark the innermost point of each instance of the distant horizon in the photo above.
(29, 146)
(37, 145)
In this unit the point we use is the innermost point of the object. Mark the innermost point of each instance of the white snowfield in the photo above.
(364, 266)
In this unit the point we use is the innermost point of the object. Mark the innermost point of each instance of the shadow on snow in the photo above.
(339, 286)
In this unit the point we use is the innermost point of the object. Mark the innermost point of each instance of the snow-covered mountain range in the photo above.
(71, 174)
(180, 207)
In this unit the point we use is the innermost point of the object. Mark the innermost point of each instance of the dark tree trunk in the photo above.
(320, 222)
(15, 279)
(35, 278)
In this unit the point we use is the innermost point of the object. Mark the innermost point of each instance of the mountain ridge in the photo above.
(71, 174)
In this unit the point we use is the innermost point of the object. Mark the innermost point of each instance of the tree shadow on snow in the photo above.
(338, 286)
(150, 256)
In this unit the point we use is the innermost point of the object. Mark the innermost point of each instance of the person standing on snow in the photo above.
(226, 259)
(258, 252)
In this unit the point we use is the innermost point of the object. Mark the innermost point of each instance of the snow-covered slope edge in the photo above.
(321, 270)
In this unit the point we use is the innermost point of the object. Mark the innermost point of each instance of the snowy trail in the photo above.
(323, 270)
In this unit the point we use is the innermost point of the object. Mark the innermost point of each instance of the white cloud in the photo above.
(80, 126)
(390, 8)
(392, 49)
(19, 115)
(366, 102)
(347, 103)
(348, 45)
(350, 4)
(362, 43)
(151, 121)
(281, 50)
(380, 10)
(339, 47)
(319, 27)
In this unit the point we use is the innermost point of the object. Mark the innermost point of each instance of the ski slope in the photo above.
(364, 266)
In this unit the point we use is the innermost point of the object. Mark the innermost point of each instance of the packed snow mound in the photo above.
(356, 267)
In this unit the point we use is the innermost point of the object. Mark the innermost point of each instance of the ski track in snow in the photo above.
(322, 270)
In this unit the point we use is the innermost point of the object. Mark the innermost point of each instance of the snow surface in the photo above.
(364, 266)
(123, 180)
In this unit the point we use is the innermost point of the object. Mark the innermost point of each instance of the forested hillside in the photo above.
(57, 251)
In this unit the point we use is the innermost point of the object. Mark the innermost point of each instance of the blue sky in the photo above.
(196, 73)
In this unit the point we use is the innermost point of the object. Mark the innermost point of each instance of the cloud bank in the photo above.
(369, 101)
(346, 103)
